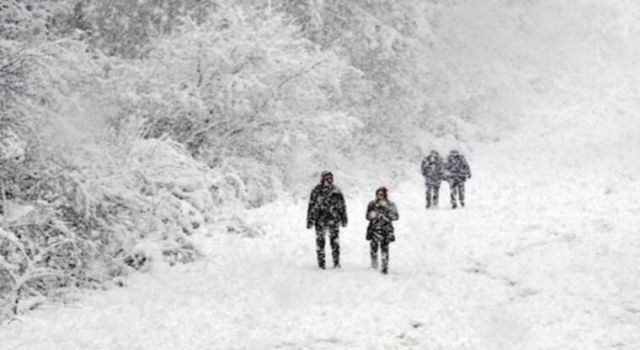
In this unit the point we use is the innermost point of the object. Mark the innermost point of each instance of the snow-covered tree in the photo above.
(242, 88)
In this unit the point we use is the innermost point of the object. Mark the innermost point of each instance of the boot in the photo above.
(321, 261)
(385, 262)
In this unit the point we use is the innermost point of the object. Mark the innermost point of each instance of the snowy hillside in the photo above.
(154, 189)
(538, 260)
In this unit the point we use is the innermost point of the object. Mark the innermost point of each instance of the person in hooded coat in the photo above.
(432, 171)
(456, 172)
(380, 232)
(327, 211)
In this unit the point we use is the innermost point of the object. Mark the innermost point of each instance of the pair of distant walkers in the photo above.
(327, 211)
(455, 171)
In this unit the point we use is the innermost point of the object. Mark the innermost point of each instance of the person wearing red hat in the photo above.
(380, 213)
(326, 212)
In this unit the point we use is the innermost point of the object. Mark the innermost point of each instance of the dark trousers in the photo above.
(334, 241)
(433, 192)
(457, 190)
(384, 250)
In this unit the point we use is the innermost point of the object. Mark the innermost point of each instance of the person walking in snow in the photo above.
(327, 212)
(456, 172)
(380, 213)
(432, 171)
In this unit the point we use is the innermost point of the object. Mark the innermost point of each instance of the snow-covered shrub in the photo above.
(127, 28)
(81, 201)
(242, 91)
(106, 210)
(15, 69)
(25, 20)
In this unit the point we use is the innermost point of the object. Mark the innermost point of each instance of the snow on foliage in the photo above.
(90, 222)
(242, 89)
(122, 160)
(128, 126)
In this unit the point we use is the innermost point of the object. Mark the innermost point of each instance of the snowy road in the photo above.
(548, 261)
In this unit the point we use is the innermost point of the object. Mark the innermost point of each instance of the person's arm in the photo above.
(446, 172)
(467, 169)
(312, 209)
(393, 212)
(371, 211)
(343, 211)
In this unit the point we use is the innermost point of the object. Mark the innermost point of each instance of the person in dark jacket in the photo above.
(327, 212)
(432, 171)
(456, 172)
(380, 213)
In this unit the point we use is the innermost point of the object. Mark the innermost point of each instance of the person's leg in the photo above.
(384, 248)
(461, 193)
(453, 186)
(429, 194)
(436, 194)
(374, 253)
(334, 232)
(320, 241)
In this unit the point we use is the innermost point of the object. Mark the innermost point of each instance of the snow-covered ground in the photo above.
(545, 256)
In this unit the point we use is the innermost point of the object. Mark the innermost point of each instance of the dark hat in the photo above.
(326, 174)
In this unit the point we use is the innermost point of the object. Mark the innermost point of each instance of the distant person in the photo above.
(327, 212)
(432, 171)
(380, 213)
(456, 172)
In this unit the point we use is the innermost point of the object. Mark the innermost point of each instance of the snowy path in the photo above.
(548, 261)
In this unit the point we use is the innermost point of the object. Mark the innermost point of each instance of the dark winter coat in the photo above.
(380, 215)
(326, 207)
(432, 169)
(456, 168)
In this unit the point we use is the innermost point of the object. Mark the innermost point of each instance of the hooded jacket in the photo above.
(380, 214)
(432, 169)
(457, 167)
(326, 206)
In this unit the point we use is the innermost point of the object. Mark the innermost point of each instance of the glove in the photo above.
(391, 238)
(469, 176)
(344, 224)
(309, 225)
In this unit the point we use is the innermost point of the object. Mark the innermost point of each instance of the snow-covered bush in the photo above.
(243, 92)
(89, 215)
(81, 201)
